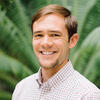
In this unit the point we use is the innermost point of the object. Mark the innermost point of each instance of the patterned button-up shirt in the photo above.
(66, 84)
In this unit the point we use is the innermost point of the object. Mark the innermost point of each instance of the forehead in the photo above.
(48, 22)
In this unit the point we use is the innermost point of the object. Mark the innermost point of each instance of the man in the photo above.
(55, 32)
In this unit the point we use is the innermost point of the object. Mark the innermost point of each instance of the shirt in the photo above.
(66, 84)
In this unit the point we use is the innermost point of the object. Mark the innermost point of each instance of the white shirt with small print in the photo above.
(66, 84)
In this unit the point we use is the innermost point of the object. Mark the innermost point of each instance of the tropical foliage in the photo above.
(17, 59)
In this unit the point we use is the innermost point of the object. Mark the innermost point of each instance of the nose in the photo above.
(46, 42)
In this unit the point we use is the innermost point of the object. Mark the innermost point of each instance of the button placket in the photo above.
(45, 88)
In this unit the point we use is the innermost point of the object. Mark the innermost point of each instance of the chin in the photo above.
(48, 65)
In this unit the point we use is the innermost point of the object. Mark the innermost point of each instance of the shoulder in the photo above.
(93, 95)
(88, 90)
(84, 82)
(28, 80)
(23, 85)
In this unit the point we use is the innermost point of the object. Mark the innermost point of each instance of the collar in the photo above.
(58, 78)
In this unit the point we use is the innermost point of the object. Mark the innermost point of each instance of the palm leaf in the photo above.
(16, 38)
(92, 71)
(7, 82)
(33, 5)
(13, 66)
(4, 95)
(92, 21)
(16, 13)
(93, 38)
(86, 57)
(81, 9)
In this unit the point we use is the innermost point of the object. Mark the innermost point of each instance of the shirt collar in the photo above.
(59, 77)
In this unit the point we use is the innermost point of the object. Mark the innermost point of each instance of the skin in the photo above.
(51, 45)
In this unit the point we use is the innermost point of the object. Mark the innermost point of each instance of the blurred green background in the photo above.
(17, 59)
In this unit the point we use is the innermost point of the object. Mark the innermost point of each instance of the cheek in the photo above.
(35, 45)
(63, 47)
(61, 43)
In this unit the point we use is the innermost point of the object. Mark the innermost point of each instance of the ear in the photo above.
(73, 40)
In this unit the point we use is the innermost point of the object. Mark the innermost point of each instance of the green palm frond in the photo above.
(33, 5)
(90, 45)
(82, 57)
(81, 9)
(12, 37)
(92, 71)
(92, 21)
(4, 95)
(13, 66)
(16, 13)
(93, 39)
(7, 81)
(63, 3)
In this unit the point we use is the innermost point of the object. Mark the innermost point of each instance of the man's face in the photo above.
(50, 40)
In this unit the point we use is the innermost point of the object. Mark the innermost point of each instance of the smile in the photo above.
(48, 53)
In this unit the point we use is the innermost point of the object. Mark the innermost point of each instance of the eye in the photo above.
(55, 35)
(38, 35)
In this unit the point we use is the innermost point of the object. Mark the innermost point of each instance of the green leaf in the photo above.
(87, 57)
(92, 21)
(92, 70)
(93, 38)
(5, 95)
(7, 81)
(81, 10)
(33, 5)
(17, 13)
(12, 37)
(13, 66)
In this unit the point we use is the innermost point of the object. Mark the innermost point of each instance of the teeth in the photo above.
(47, 53)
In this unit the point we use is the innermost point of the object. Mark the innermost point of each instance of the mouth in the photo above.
(47, 53)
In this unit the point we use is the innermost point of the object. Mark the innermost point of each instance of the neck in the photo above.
(49, 72)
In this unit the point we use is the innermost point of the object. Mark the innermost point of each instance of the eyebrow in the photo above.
(55, 31)
(37, 32)
(48, 31)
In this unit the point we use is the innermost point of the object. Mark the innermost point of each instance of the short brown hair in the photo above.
(70, 21)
